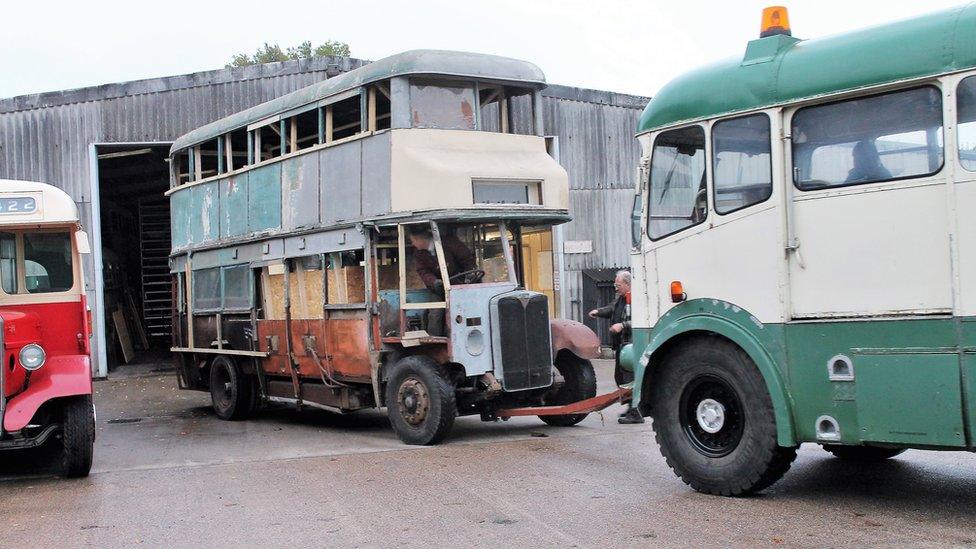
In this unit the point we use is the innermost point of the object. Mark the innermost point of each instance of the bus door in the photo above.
(869, 266)
(965, 237)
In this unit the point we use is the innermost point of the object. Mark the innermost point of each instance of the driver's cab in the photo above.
(446, 287)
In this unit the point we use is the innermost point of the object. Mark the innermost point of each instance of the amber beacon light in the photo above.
(678, 292)
(775, 20)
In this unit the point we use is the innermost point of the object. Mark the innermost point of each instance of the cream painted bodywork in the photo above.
(434, 168)
(55, 212)
(894, 248)
(54, 206)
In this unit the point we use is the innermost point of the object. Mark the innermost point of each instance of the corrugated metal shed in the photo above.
(49, 136)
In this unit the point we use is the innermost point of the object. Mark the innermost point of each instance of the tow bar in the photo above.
(594, 404)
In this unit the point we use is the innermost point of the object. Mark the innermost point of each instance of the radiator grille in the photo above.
(526, 351)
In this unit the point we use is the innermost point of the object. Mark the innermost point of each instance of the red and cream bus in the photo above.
(45, 376)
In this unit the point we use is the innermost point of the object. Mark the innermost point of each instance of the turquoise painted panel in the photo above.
(204, 213)
(233, 206)
(179, 203)
(910, 399)
(777, 71)
(300, 191)
(264, 198)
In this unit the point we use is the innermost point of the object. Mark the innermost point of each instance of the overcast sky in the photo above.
(632, 46)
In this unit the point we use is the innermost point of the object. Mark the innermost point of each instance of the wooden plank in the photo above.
(136, 321)
(328, 124)
(122, 331)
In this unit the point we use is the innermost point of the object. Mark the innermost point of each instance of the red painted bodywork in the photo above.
(62, 330)
(574, 337)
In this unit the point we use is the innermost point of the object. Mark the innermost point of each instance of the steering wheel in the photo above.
(470, 277)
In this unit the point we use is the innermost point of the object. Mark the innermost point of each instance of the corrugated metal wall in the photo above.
(47, 137)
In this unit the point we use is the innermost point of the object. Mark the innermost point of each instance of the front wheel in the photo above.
(579, 383)
(420, 401)
(714, 421)
(863, 454)
(77, 437)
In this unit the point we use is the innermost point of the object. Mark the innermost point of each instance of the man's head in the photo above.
(621, 283)
(420, 236)
(865, 155)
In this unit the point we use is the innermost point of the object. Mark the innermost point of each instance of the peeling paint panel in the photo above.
(180, 218)
(264, 198)
(376, 175)
(300, 191)
(204, 213)
(233, 206)
(341, 177)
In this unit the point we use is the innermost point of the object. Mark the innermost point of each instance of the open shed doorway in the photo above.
(135, 240)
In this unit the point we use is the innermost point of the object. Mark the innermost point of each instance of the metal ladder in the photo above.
(154, 245)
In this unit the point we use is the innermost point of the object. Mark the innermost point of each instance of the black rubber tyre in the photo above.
(732, 449)
(863, 454)
(231, 391)
(77, 437)
(580, 384)
(420, 401)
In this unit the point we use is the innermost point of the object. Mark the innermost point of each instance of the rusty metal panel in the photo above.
(233, 206)
(341, 177)
(300, 191)
(376, 174)
(264, 198)
(348, 344)
(204, 210)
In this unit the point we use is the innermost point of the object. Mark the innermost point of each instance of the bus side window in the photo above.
(442, 106)
(741, 166)
(896, 135)
(677, 196)
(966, 111)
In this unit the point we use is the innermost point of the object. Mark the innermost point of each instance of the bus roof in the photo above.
(781, 69)
(414, 62)
(52, 205)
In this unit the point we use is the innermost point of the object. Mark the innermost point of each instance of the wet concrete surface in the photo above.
(168, 473)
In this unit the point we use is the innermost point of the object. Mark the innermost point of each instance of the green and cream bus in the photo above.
(805, 251)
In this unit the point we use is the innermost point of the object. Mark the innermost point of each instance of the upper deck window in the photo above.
(966, 107)
(741, 164)
(677, 196)
(884, 137)
(442, 107)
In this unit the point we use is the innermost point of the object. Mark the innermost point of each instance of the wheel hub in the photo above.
(711, 415)
(413, 401)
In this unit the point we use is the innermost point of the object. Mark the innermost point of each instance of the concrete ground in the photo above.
(168, 473)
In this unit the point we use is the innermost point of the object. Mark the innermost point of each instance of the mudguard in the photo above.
(761, 342)
(61, 376)
(575, 337)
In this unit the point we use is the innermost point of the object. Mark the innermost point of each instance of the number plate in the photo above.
(15, 205)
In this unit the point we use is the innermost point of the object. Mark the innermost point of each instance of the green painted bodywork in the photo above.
(914, 378)
(410, 63)
(778, 69)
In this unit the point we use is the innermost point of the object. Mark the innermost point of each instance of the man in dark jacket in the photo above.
(619, 314)
(457, 257)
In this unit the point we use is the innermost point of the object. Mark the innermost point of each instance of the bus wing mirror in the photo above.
(81, 241)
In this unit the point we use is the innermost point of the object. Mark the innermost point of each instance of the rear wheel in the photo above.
(231, 391)
(579, 384)
(77, 437)
(864, 454)
(714, 421)
(420, 401)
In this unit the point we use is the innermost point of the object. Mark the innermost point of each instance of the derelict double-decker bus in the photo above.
(805, 260)
(381, 238)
